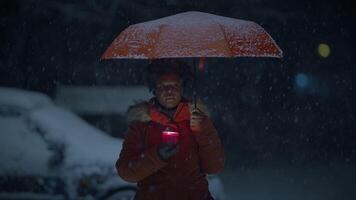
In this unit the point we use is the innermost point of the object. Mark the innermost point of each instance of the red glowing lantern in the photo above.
(170, 136)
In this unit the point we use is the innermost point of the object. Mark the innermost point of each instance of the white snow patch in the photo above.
(85, 145)
(21, 98)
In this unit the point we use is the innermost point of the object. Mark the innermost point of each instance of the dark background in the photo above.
(298, 110)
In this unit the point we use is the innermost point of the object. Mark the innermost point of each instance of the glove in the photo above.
(166, 150)
(196, 120)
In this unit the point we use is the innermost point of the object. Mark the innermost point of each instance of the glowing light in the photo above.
(170, 136)
(170, 133)
(301, 80)
(324, 50)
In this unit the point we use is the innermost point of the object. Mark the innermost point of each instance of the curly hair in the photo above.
(161, 67)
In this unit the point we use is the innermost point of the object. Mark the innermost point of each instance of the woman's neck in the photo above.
(167, 111)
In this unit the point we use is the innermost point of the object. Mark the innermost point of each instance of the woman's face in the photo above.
(169, 91)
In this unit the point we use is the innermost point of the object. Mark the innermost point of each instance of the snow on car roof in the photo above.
(84, 144)
(22, 98)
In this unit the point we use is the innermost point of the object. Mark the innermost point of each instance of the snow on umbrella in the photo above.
(193, 34)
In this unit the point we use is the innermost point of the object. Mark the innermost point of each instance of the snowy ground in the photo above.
(290, 182)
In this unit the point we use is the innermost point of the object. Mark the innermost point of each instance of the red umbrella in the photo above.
(193, 34)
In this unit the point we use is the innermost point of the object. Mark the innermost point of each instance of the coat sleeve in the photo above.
(135, 162)
(211, 150)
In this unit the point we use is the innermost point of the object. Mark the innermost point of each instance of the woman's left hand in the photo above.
(196, 120)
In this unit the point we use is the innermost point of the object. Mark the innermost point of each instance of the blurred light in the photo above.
(324, 50)
(301, 80)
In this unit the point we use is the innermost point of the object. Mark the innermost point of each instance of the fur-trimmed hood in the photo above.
(140, 111)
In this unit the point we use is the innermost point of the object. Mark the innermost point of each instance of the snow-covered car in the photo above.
(47, 152)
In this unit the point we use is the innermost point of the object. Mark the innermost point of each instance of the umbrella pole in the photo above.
(197, 66)
(195, 84)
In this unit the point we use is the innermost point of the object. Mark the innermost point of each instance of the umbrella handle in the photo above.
(195, 84)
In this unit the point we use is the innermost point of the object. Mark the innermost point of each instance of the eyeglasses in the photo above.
(171, 87)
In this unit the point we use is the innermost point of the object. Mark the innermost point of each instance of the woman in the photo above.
(170, 169)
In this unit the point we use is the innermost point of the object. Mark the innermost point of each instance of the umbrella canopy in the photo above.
(193, 34)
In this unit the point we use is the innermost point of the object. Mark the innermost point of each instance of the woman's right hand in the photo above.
(167, 149)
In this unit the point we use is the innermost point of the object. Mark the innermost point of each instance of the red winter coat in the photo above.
(182, 176)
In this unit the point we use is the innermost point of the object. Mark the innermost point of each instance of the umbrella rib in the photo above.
(227, 42)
